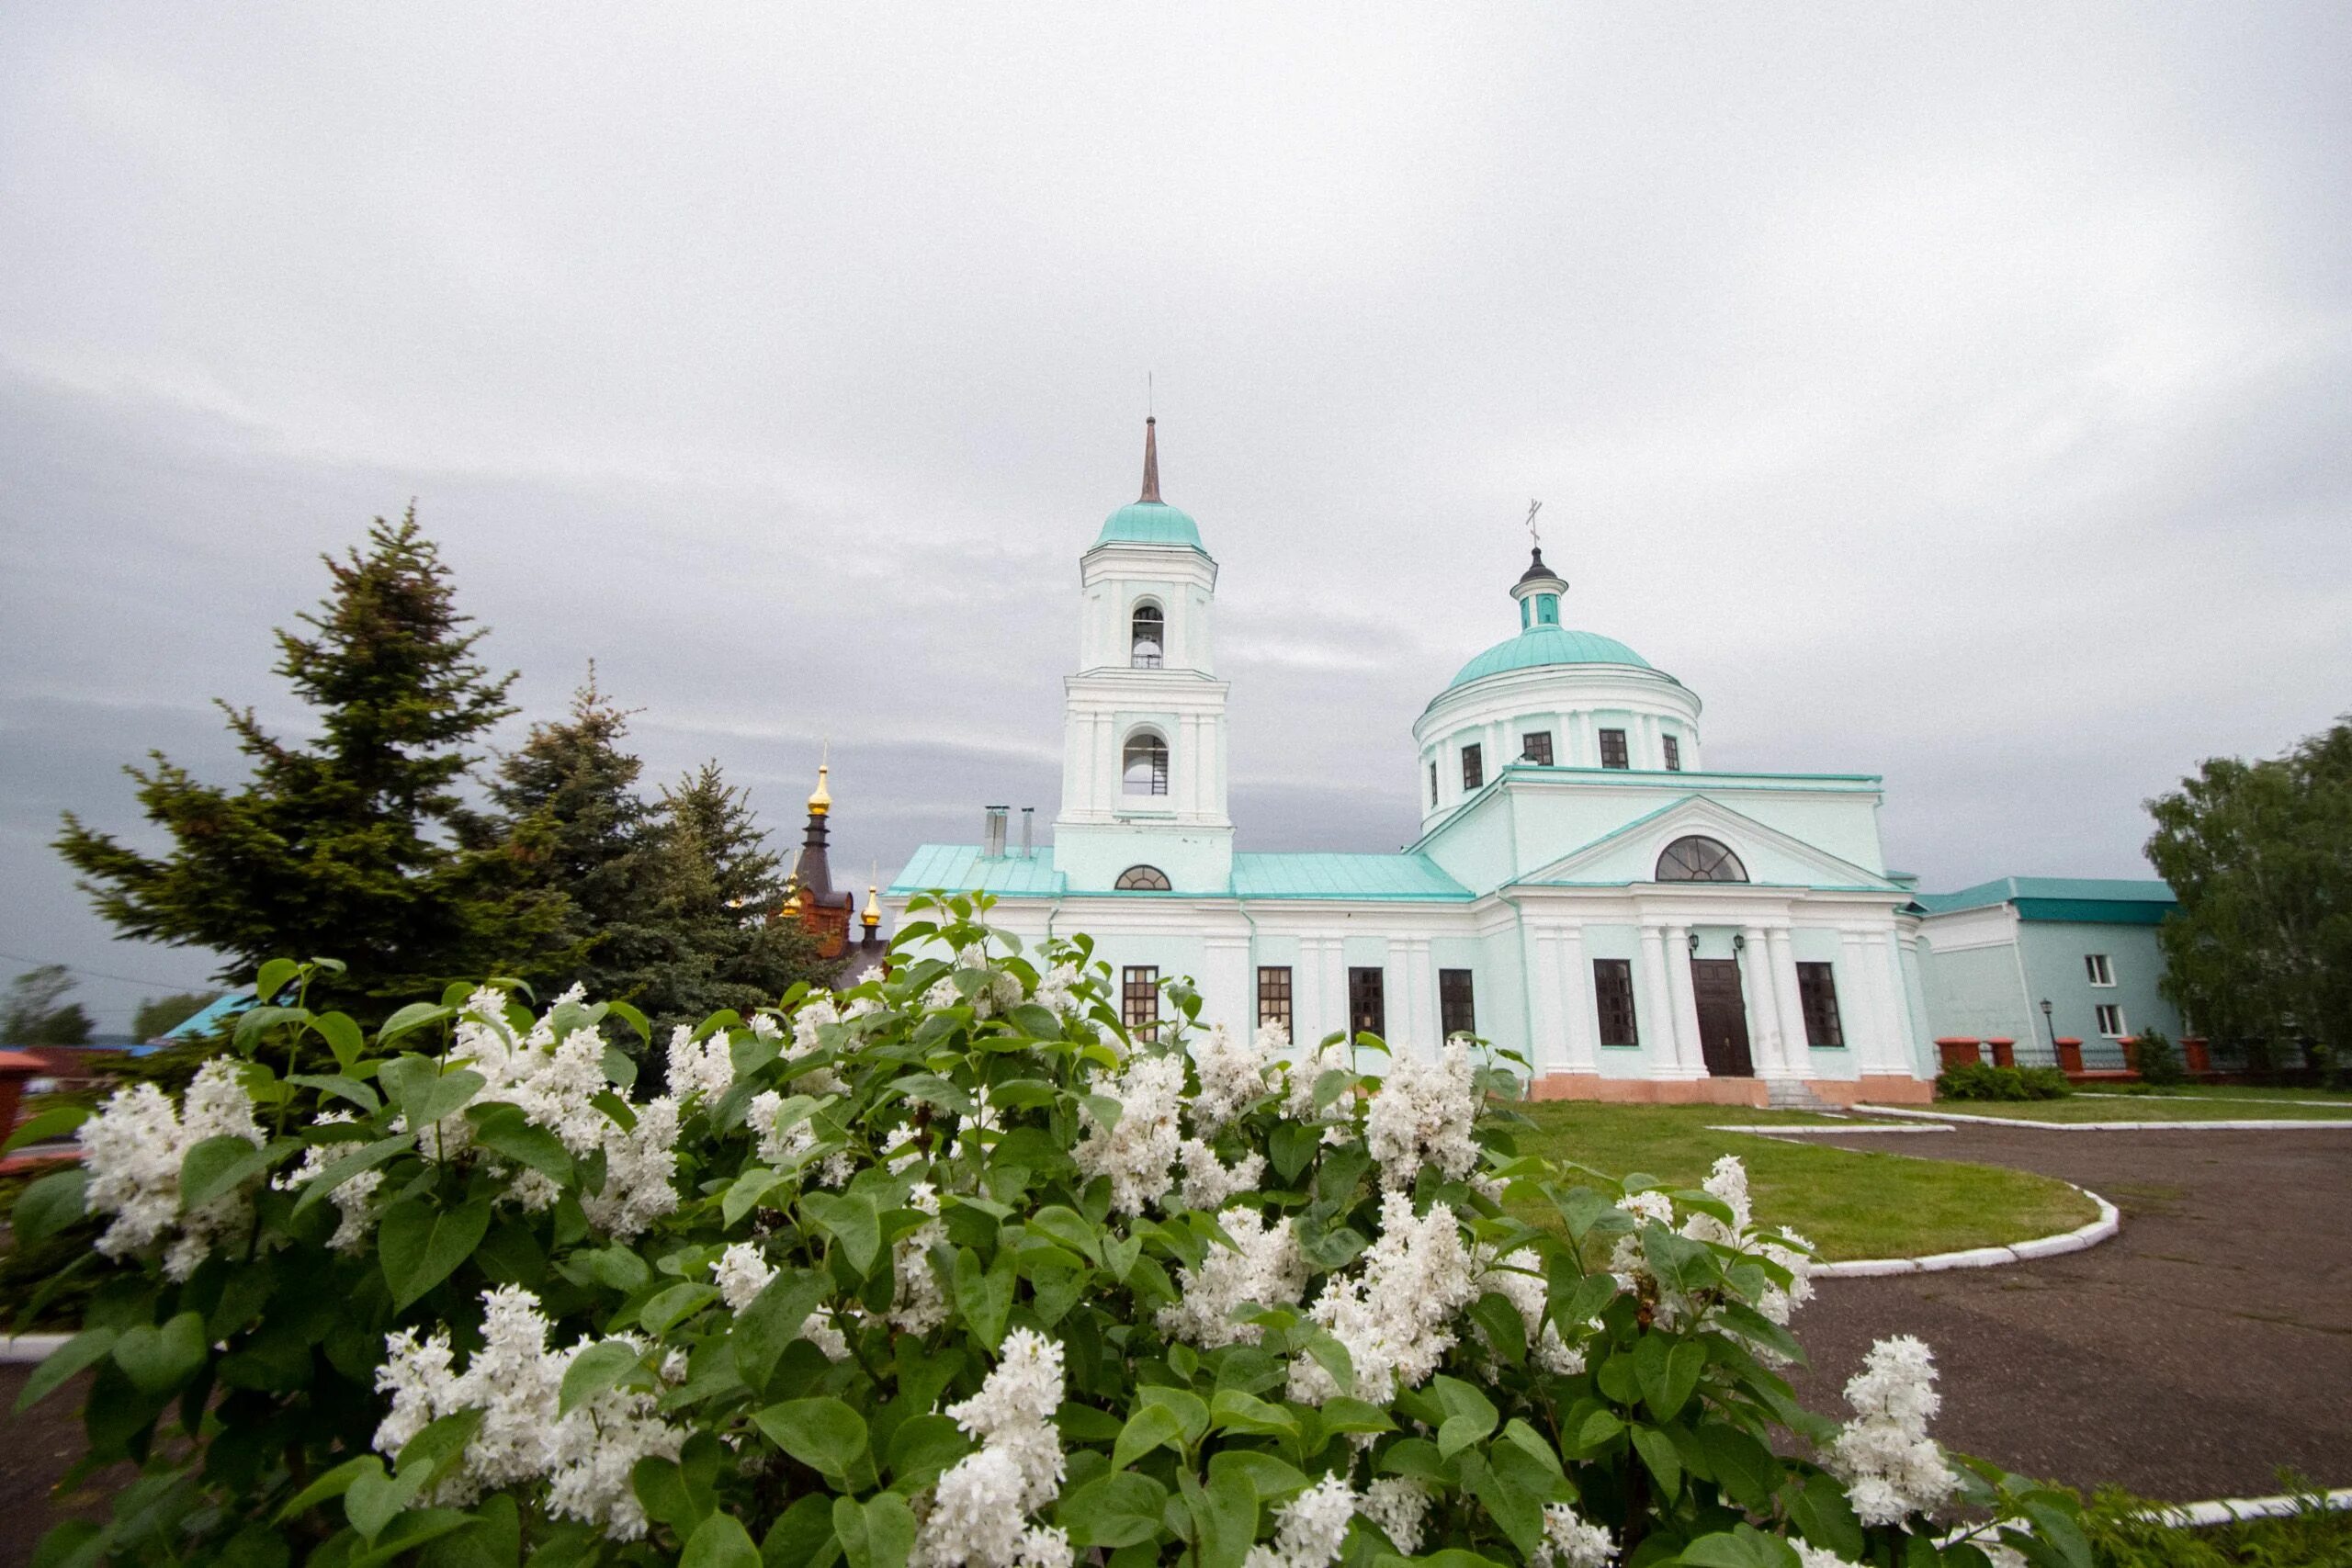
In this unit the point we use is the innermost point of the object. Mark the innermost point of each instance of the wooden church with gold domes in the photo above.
(824, 913)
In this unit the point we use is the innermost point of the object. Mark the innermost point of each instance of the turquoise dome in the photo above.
(1542, 645)
(1151, 523)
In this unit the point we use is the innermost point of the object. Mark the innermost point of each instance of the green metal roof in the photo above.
(2084, 899)
(962, 868)
(1541, 644)
(1151, 523)
(1315, 876)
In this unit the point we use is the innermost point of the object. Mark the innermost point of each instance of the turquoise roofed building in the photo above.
(2029, 961)
(1585, 890)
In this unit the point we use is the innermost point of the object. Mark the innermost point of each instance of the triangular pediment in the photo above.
(1772, 855)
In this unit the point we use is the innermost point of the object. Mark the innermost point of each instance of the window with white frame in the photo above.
(2110, 1021)
(2100, 972)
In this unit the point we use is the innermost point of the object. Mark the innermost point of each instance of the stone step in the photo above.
(1792, 1094)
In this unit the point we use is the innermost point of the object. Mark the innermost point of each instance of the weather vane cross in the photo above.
(1532, 508)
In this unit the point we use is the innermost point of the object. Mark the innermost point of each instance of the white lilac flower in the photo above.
(1397, 1504)
(1135, 1154)
(1233, 1075)
(1208, 1182)
(1569, 1541)
(1264, 1266)
(1728, 1183)
(900, 1151)
(1423, 1113)
(1812, 1556)
(918, 1303)
(1891, 1467)
(703, 1069)
(1058, 991)
(1309, 1529)
(740, 1275)
(132, 1150)
(585, 1455)
(641, 1169)
(1394, 1310)
(352, 1198)
(785, 1149)
(978, 1514)
(1511, 1278)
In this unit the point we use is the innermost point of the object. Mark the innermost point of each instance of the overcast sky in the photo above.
(1959, 394)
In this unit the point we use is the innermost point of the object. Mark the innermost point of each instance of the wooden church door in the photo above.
(1723, 1017)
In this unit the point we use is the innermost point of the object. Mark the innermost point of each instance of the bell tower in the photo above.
(1142, 719)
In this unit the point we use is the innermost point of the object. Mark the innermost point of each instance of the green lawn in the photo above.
(1848, 1204)
(2229, 1091)
(2145, 1108)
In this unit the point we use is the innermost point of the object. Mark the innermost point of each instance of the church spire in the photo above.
(1150, 459)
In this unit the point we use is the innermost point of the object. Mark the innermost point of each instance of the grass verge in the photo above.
(1848, 1204)
(2145, 1108)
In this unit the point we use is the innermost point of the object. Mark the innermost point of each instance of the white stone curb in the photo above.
(2110, 1221)
(23, 1348)
(2215, 1099)
(2228, 1510)
(1802, 1130)
(2264, 1126)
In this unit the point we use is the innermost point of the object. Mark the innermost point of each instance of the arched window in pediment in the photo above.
(1695, 859)
(1142, 879)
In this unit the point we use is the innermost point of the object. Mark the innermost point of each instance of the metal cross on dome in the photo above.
(1534, 538)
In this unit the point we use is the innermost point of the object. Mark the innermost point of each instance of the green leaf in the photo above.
(423, 1092)
(1120, 1508)
(1270, 1478)
(1459, 1432)
(670, 1307)
(1521, 1518)
(1147, 1430)
(440, 1444)
(341, 1088)
(419, 1246)
(823, 1433)
(1068, 1227)
(342, 1035)
(1341, 1414)
(1658, 1452)
(505, 1130)
(375, 1499)
(217, 1166)
(922, 1447)
(636, 1020)
(1224, 1517)
(2057, 1526)
(48, 1124)
(984, 1297)
(1528, 1440)
(773, 1321)
(340, 1171)
(745, 1192)
(333, 1483)
(1505, 1329)
(851, 1220)
(1745, 1470)
(1827, 1518)
(719, 1542)
(1239, 1412)
(1292, 1145)
(1333, 1358)
(1600, 1427)
(414, 1016)
(1188, 1408)
(85, 1350)
(803, 1537)
(596, 1368)
(158, 1360)
(274, 977)
(878, 1533)
(48, 1206)
(1667, 1376)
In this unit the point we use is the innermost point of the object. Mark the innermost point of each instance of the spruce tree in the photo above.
(358, 844)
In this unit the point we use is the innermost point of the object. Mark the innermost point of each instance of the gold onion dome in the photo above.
(822, 800)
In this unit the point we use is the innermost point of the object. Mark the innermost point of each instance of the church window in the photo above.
(1612, 749)
(1140, 999)
(1673, 755)
(1818, 993)
(1433, 783)
(1142, 879)
(2110, 1021)
(1537, 747)
(2095, 966)
(1612, 995)
(1151, 637)
(1145, 768)
(1458, 1014)
(1473, 767)
(1699, 860)
(1273, 994)
(1367, 1004)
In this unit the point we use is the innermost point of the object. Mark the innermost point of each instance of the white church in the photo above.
(1585, 890)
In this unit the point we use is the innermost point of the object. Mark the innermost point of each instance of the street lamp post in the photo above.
(2052, 1028)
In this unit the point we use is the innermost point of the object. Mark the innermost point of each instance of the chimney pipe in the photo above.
(1028, 832)
(993, 833)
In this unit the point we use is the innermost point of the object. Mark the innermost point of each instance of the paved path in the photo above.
(2191, 1357)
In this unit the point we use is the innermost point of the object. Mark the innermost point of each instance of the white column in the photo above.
(1862, 976)
(1546, 1013)
(1109, 783)
(1900, 1056)
(1427, 1020)
(1657, 1017)
(1227, 994)
(1335, 985)
(1578, 1035)
(1792, 1002)
(1763, 1005)
(1686, 1003)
